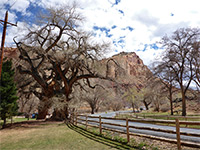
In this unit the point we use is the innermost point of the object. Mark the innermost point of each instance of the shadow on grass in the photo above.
(28, 124)
(101, 139)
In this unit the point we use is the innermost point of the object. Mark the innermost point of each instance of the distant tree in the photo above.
(8, 104)
(179, 57)
(158, 98)
(94, 98)
(167, 78)
(114, 100)
(132, 95)
(145, 96)
(196, 63)
(27, 102)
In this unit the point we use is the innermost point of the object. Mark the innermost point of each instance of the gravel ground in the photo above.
(159, 144)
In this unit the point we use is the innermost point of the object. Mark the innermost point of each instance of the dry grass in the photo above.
(36, 135)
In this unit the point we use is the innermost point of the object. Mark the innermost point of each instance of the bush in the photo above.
(165, 108)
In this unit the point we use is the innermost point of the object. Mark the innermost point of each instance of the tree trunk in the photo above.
(11, 120)
(43, 108)
(96, 110)
(60, 114)
(183, 104)
(157, 107)
(4, 123)
(92, 106)
(92, 111)
(146, 105)
(133, 106)
(171, 103)
(42, 112)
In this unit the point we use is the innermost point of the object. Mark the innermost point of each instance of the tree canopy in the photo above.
(179, 63)
(57, 54)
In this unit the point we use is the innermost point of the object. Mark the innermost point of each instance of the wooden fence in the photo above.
(167, 117)
(96, 121)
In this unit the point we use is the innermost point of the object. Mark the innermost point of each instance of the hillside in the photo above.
(128, 70)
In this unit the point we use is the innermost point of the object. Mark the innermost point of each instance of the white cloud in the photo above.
(19, 5)
(150, 19)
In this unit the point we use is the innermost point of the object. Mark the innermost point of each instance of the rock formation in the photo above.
(127, 68)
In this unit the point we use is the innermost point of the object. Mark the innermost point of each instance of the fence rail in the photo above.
(165, 116)
(125, 129)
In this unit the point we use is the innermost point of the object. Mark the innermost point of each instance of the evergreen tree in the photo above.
(8, 91)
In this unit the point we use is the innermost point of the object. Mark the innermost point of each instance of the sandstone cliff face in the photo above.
(11, 52)
(127, 68)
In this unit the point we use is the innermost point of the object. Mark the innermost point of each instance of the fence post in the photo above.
(186, 120)
(168, 119)
(100, 127)
(86, 122)
(127, 130)
(178, 134)
(73, 118)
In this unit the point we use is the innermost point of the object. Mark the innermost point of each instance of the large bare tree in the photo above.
(167, 78)
(179, 57)
(57, 54)
(196, 63)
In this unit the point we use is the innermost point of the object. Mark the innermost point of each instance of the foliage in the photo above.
(8, 104)
(133, 96)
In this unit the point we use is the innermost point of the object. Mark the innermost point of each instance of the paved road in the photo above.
(148, 132)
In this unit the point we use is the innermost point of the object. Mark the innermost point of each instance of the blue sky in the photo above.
(129, 25)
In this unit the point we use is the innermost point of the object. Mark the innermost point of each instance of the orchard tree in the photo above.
(57, 54)
(8, 104)
(179, 57)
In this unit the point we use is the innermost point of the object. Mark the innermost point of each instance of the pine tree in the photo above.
(8, 91)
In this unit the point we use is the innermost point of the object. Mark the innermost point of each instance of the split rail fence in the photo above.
(105, 123)
(168, 117)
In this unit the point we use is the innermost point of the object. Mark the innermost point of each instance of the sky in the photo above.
(129, 25)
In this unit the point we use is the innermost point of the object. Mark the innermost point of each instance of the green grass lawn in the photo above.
(53, 136)
(17, 120)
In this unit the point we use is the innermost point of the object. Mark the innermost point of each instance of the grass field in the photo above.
(41, 135)
(53, 136)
